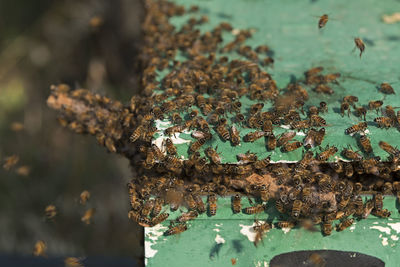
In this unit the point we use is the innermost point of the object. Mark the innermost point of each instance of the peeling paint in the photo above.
(385, 241)
(394, 237)
(382, 229)
(247, 230)
(216, 230)
(152, 235)
(218, 225)
(395, 226)
(286, 230)
(219, 239)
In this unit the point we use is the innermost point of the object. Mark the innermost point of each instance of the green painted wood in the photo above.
(290, 29)
(214, 241)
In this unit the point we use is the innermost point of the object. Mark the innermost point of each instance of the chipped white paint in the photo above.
(152, 235)
(247, 230)
(286, 230)
(375, 223)
(287, 127)
(394, 237)
(216, 230)
(395, 226)
(352, 227)
(219, 239)
(382, 229)
(385, 241)
(219, 225)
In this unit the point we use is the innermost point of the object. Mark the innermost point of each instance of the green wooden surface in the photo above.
(214, 241)
(290, 29)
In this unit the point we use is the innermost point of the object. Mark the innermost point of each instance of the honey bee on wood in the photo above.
(323, 107)
(142, 221)
(73, 262)
(350, 154)
(236, 204)
(247, 157)
(176, 229)
(88, 215)
(360, 127)
(271, 144)
(369, 205)
(158, 203)
(378, 202)
(199, 203)
(176, 118)
(389, 149)
(285, 137)
(10, 162)
(197, 144)
(264, 192)
(213, 155)
(256, 108)
(235, 137)
(84, 197)
(322, 21)
(255, 209)
(171, 149)
(327, 153)
(137, 133)
(386, 88)
(375, 105)
(253, 136)
(239, 118)
(350, 99)
(280, 207)
(286, 224)
(297, 205)
(324, 89)
(326, 228)
(313, 71)
(212, 204)
(292, 146)
(159, 219)
(365, 144)
(361, 112)
(40, 249)
(344, 107)
(223, 132)
(174, 129)
(50, 211)
(260, 228)
(360, 45)
(300, 125)
(147, 207)
(384, 122)
(385, 213)
(187, 216)
(348, 169)
(332, 78)
(262, 164)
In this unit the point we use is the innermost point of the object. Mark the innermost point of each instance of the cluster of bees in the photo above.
(203, 94)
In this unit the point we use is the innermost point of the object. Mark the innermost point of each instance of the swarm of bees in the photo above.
(203, 95)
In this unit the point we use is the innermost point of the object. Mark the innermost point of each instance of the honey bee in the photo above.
(323, 88)
(264, 192)
(262, 164)
(389, 149)
(147, 208)
(280, 207)
(313, 71)
(84, 197)
(326, 228)
(174, 129)
(213, 155)
(360, 45)
(235, 137)
(176, 118)
(137, 133)
(23, 170)
(337, 166)
(253, 136)
(236, 204)
(322, 21)
(365, 144)
(271, 144)
(158, 203)
(142, 221)
(87, 216)
(362, 126)
(378, 202)
(191, 215)
(350, 99)
(176, 229)
(171, 149)
(285, 137)
(323, 107)
(348, 169)
(286, 224)
(197, 144)
(297, 205)
(73, 262)
(267, 127)
(384, 122)
(10, 162)
(369, 205)
(304, 162)
(190, 202)
(199, 203)
(300, 125)
(50, 211)
(256, 108)
(255, 209)
(375, 105)
(247, 158)
(350, 154)
(332, 78)
(239, 117)
(385, 213)
(386, 88)
(327, 153)
(212, 204)
(40, 249)
(159, 219)
(291, 146)
(260, 229)
(223, 132)
(361, 112)
(343, 107)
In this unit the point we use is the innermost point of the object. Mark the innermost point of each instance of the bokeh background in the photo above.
(89, 44)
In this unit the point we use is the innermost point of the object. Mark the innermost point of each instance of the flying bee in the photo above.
(212, 204)
(73, 262)
(50, 211)
(343, 107)
(386, 88)
(176, 229)
(297, 205)
(223, 132)
(171, 149)
(322, 21)
(191, 215)
(344, 224)
(87, 216)
(236, 204)
(286, 224)
(197, 144)
(271, 144)
(285, 137)
(378, 202)
(235, 137)
(10, 162)
(247, 158)
(84, 197)
(365, 144)
(158, 203)
(260, 229)
(142, 221)
(292, 146)
(360, 45)
(253, 136)
(199, 203)
(262, 164)
(324, 89)
(40, 248)
(159, 219)
(384, 122)
(362, 126)
(327, 153)
(255, 209)
(389, 149)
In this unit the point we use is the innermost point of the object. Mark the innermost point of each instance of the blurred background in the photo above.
(90, 44)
